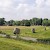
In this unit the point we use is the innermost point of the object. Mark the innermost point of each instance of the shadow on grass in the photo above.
(45, 41)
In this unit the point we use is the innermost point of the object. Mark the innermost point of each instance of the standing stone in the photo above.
(16, 31)
(33, 30)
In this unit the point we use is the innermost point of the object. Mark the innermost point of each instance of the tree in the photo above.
(37, 21)
(34, 21)
(45, 22)
(27, 23)
(10, 23)
(18, 23)
(2, 21)
(23, 22)
(31, 23)
(48, 22)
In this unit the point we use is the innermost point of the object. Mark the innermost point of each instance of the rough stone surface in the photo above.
(16, 31)
(33, 30)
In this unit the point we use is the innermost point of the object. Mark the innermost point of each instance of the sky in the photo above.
(24, 9)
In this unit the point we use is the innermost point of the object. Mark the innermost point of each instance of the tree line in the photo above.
(31, 22)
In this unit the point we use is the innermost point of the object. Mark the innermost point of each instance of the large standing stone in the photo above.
(16, 31)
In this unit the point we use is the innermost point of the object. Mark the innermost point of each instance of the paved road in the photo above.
(25, 38)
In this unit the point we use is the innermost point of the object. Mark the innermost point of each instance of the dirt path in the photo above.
(25, 38)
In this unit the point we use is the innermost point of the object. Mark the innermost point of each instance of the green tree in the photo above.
(31, 23)
(2, 21)
(22, 22)
(34, 21)
(18, 23)
(10, 23)
(37, 21)
(45, 22)
(25, 23)
(48, 22)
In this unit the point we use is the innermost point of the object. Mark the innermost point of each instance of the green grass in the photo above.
(26, 31)
(11, 44)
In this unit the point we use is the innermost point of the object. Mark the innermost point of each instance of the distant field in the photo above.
(26, 31)
(10, 44)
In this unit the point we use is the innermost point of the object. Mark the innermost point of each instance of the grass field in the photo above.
(11, 44)
(26, 31)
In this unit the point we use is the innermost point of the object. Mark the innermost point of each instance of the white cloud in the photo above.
(24, 9)
(5, 3)
(48, 2)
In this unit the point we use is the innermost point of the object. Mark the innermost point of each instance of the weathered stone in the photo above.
(16, 31)
(33, 30)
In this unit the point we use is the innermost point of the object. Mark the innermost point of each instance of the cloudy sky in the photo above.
(24, 9)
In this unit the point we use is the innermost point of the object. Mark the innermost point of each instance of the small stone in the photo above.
(33, 30)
